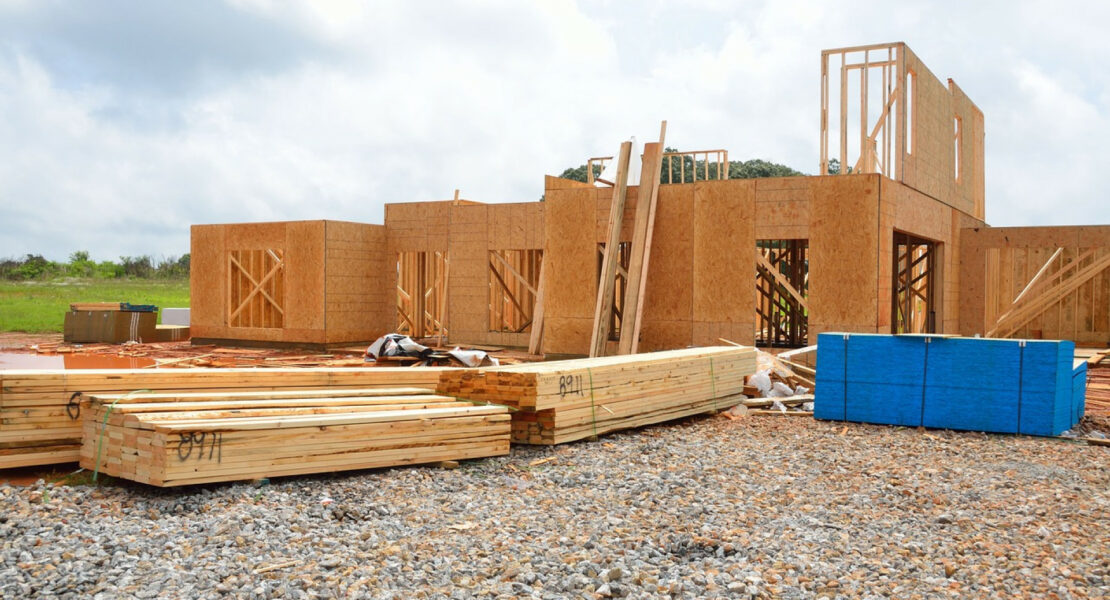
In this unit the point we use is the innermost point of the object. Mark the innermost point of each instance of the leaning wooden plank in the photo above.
(787, 401)
(781, 413)
(606, 286)
(535, 340)
(781, 279)
(1049, 295)
(636, 284)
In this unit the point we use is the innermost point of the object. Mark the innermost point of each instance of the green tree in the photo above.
(579, 173)
(139, 267)
(683, 169)
(80, 265)
(834, 167)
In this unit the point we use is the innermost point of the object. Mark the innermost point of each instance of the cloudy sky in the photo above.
(121, 123)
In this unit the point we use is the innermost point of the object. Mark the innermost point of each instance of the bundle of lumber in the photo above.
(40, 410)
(1098, 383)
(180, 439)
(569, 400)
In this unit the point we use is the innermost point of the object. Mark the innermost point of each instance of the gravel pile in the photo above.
(758, 507)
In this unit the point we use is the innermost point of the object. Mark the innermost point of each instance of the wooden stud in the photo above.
(607, 282)
(636, 280)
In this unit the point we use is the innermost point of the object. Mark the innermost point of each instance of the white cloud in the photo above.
(408, 101)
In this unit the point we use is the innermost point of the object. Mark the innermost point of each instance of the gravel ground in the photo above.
(706, 508)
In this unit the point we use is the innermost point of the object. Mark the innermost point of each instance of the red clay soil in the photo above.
(184, 354)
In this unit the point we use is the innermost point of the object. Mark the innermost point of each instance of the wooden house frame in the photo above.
(897, 243)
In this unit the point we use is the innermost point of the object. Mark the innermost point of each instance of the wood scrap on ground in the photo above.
(782, 384)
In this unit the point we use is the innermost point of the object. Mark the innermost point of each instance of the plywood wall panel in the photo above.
(928, 167)
(997, 263)
(207, 279)
(660, 334)
(358, 301)
(417, 226)
(968, 190)
(781, 207)
(669, 295)
(843, 254)
(304, 274)
(564, 335)
(550, 182)
(467, 291)
(724, 244)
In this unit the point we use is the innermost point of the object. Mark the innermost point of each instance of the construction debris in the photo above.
(778, 385)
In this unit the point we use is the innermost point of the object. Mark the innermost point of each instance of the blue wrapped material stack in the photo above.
(996, 385)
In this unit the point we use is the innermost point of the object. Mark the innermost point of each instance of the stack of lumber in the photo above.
(180, 439)
(1098, 382)
(569, 400)
(40, 409)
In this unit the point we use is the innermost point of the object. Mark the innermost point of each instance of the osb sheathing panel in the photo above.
(605, 201)
(358, 297)
(905, 209)
(724, 242)
(563, 335)
(969, 188)
(973, 268)
(928, 166)
(302, 243)
(917, 213)
(668, 300)
(699, 284)
(550, 182)
(304, 274)
(997, 263)
(781, 207)
(418, 226)
(474, 231)
(570, 267)
(468, 290)
(888, 211)
(207, 279)
(843, 254)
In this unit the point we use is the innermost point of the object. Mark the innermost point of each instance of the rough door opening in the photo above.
(256, 288)
(422, 293)
(514, 276)
(782, 286)
(914, 297)
(624, 254)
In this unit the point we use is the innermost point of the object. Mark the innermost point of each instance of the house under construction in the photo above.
(895, 242)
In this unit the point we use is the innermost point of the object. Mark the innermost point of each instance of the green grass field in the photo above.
(40, 306)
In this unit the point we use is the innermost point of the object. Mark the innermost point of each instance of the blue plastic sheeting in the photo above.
(974, 384)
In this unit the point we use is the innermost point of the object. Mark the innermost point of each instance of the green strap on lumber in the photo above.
(713, 383)
(593, 406)
(104, 427)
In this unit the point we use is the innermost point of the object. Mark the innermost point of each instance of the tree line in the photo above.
(682, 171)
(33, 267)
